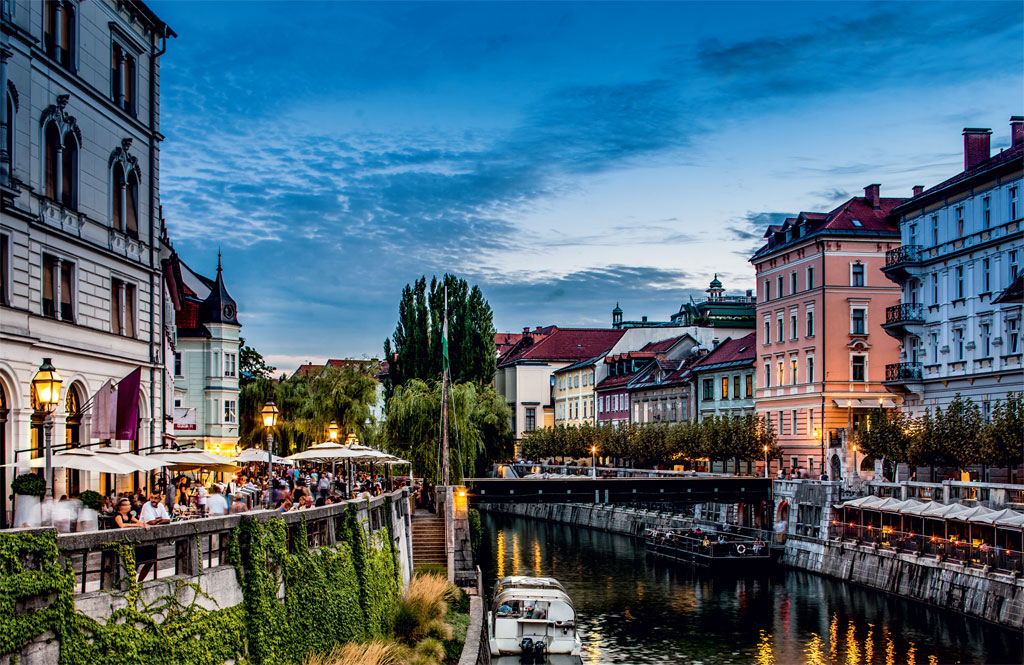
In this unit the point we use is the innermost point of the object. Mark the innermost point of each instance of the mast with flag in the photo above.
(445, 475)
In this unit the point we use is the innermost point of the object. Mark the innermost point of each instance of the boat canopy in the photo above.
(555, 603)
(526, 582)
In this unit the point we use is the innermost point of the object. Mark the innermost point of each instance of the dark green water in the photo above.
(635, 609)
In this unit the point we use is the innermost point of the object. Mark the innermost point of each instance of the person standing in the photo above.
(201, 495)
(218, 503)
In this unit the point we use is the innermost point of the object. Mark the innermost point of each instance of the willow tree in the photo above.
(478, 427)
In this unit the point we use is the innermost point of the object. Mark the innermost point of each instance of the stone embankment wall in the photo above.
(976, 592)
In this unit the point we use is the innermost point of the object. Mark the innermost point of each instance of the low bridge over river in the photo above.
(676, 490)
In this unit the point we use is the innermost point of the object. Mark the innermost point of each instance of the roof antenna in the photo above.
(218, 259)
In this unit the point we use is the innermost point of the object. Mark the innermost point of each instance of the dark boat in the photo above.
(711, 549)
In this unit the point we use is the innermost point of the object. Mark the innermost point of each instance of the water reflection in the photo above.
(638, 610)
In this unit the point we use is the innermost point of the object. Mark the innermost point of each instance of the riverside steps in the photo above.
(987, 588)
(207, 585)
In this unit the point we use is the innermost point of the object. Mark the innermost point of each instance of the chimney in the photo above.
(714, 343)
(538, 328)
(1016, 129)
(918, 189)
(643, 319)
(871, 194)
(977, 146)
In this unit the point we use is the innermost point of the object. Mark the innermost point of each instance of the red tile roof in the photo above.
(364, 364)
(565, 344)
(661, 346)
(505, 341)
(737, 350)
(1012, 153)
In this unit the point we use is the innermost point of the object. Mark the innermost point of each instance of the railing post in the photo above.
(187, 553)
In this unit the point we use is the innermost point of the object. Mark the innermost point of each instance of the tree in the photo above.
(251, 365)
(1002, 438)
(887, 436)
(958, 431)
(414, 350)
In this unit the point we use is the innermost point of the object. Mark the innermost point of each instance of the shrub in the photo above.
(29, 484)
(91, 499)
(359, 653)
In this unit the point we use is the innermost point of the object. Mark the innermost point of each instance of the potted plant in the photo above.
(28, 488)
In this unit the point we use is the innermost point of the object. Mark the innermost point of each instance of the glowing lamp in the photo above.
(269, 414)
(47, 383)
(462, 492)
(332, 430)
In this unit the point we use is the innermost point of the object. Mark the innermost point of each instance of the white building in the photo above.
(959, 320)
(205, 359)
(79, 228)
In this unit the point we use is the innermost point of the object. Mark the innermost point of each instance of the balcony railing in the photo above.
(903, 372)
(904, 312)
(903, 254)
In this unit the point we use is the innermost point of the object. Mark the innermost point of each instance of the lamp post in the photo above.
(855, 467)
(593, 461)
(46, 384)
(332, 434)
(269, 414)
(766, 460)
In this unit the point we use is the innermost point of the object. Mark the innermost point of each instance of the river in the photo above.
(634, 609)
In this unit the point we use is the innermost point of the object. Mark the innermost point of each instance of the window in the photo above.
(725, 388)
(531, 419)
(767, 290)
(7, 136)
(122, 78)
(781, 332)
(810, 277)
(61, 166)
(935, 229)
(792, 282)
(1013, 264)
(767, 375)
(780, 287)
(230, 364)
(986, 212)
(857, 274)
(934, 337)
(810, 323)
(810, 369)
(750, 385)
(958, 342)
(935, 289)
(230, 411)
(912, 235)
(736, 387)
(857, 321)
(709, 390)
(767, 332)
(177, 364)
(793, 415)
(958, 281)
(125, 200)
(986, 276)
(1013, 203)
(793, 371)
(782, 425)
(792, 324)
(4, 263)
(122, 308)
(59, 32)
(857, 372)
(959, 221)
(986, 339)
(782, 376)
(584, 379)
(1012, 335)
(58, 281)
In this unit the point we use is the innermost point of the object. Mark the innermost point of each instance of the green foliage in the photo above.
(29, 484)
(476, 529)
(252, 366)
(414, 351)
(479, 427)
(1002, 438)
(91, 499)
(888, 435)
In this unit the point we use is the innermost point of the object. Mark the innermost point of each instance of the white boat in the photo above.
(532, 616)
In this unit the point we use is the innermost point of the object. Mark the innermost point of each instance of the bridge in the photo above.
(583, 489)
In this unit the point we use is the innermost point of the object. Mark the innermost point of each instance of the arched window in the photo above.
(72, 436)
(69, 172)
(7, 136)
(53, 158)
(116, 216)
(124, 195)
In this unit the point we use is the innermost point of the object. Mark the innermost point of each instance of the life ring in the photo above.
(741, 549)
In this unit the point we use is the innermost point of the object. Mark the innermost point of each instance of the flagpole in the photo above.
(445, 474)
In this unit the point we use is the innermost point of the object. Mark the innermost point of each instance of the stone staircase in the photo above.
(428, 539)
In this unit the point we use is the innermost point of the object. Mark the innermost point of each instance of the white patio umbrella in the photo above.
(83, 459)
(196, 458)
(126, 458)
(257, 455)
(330, 451)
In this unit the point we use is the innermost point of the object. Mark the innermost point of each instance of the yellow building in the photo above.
(573, 393)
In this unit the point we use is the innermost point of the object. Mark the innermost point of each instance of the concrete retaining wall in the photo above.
(476, 650)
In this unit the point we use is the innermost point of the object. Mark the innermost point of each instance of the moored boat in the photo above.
(706, 548)
(532, 617)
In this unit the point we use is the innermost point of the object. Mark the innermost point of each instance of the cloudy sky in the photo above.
(563, 156)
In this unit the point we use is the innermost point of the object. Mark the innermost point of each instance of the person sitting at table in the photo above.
(124, 519)
(153, 511)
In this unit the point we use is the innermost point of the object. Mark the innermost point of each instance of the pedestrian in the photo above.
(324, 485)
(218, 503)
(238, 503)
(201, 495)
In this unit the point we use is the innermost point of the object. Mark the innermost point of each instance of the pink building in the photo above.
(821, 348)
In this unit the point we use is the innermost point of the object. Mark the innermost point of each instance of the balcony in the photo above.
(899, 317)
(904, 377)
(898, 260)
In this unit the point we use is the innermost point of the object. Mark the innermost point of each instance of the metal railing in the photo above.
(903, 372)
(995, 557)
(903, 254)
(707, 545)
(904, 312)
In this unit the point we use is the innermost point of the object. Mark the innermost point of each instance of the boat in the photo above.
(532, 617)
(709, 548)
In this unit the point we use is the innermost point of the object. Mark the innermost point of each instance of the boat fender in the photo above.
(741, 549)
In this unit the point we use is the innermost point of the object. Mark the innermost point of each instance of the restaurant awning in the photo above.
(864, 403)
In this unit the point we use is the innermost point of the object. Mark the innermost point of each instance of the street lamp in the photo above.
(593, 461)
(46, 384)
(332, 430)
(269, 414)
(766, 460)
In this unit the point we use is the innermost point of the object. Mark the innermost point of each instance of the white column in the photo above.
(122, 305)
(57, 26)
(59, 171)
(56, 289)
(119, 80)
(122, 206)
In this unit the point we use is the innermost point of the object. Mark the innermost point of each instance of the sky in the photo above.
(565, 157)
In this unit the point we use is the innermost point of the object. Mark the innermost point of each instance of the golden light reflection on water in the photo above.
(814, 652)
(912, 655)
(537, 568)
(933, 660)
(833, 638)
(765, 655)
(890, 648)
(501, 553)
(515, 554)
(852, 648)
(869, 644)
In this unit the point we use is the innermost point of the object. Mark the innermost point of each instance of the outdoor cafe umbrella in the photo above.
(256, 455)
(126, 458)
(189, 459)
(83, 459)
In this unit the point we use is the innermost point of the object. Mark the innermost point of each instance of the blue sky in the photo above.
(563, 156)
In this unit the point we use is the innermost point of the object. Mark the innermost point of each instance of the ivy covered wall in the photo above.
(330, 595)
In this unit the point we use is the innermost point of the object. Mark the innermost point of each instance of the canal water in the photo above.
(634, 609)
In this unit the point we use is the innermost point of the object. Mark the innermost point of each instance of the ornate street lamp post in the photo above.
(593, 461)
(332, 430)
(766, 461)
(47, 383)
(269, 414)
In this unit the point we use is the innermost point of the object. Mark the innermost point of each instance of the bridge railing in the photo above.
(527, 468)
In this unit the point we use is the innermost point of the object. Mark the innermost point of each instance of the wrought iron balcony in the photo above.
(903, 372)
(904, 313)
(903, 254)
